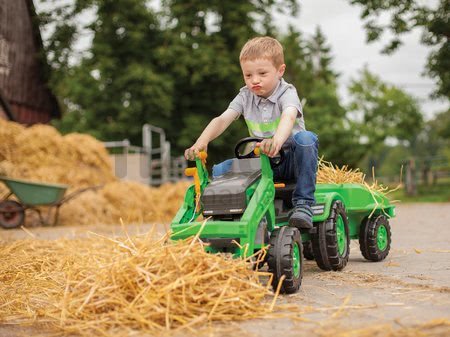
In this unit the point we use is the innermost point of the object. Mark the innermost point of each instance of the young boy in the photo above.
(272, 110)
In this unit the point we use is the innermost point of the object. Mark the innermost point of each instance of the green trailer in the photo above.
(247, 211)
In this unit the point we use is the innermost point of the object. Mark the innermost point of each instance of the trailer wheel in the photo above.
(375, 238)
(12, 214)
(308, 250)
(285, 258)
(331, 242)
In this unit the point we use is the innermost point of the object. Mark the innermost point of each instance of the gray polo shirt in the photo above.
(263, 115)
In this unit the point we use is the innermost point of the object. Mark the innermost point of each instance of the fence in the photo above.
(150, 164)
(426, 171)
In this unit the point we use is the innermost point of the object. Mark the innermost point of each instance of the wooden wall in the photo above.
(22, 73)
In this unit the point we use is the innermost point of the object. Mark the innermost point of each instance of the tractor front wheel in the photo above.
(375, 238)
(285, 258)
(331, 242)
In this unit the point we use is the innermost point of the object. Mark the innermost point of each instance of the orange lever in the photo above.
(279, 185)
(192, 172)
(257, 151)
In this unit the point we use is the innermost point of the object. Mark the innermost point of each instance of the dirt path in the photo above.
(411, 286)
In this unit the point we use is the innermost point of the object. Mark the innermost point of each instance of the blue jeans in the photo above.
(299, 166)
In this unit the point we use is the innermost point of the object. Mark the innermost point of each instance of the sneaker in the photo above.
(302, 217)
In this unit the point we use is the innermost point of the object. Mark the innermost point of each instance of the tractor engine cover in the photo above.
(226, 194)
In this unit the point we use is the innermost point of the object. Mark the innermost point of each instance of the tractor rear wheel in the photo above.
(308, 250)
(375, 238)
(331, 242)
(285, 258)
(12, 214)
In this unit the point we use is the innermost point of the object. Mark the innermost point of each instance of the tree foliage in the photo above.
(177, 67)
(309, 68)
(381, 112)
(405, 15)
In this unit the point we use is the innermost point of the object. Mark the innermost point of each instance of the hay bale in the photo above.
(41, 153)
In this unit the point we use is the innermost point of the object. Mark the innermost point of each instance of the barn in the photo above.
(24, 93)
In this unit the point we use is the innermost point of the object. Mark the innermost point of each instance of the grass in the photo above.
(439, 192)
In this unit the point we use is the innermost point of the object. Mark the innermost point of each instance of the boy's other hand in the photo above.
(270, 147)
(193, 151)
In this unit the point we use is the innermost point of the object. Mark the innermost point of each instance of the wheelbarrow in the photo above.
(31, 195)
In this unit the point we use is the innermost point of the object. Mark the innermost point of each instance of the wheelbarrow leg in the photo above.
(41, 218)
(56, 216)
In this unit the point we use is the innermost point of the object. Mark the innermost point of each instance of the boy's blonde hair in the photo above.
(264, 47)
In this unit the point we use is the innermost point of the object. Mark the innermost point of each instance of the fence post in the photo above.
(410, 183)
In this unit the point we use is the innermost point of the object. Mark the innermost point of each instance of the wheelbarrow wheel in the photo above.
(375, 238)
(285, 258)
(331, 242)
(12, 214)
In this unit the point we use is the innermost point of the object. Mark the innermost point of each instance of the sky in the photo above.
(345, 34)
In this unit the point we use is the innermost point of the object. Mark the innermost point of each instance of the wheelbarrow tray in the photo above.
(32, 193)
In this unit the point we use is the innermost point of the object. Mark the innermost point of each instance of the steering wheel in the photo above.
(276, 161)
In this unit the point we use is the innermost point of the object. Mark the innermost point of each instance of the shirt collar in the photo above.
(273, 97)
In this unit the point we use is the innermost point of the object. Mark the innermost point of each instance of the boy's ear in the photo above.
(281, 70)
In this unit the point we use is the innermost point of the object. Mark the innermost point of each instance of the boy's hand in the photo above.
(192, 152)
(270, 146)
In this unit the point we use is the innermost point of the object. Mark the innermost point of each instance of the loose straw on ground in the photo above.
(101, 285)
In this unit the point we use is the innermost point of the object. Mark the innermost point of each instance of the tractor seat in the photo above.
(285, 193)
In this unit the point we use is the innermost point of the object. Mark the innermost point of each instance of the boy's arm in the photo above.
(213, 130)
(284, 130)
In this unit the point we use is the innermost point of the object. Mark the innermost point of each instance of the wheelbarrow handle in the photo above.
(78, 192)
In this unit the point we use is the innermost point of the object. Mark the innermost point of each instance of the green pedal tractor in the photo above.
(247, 211)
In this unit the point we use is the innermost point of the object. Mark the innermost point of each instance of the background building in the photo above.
(24, 93)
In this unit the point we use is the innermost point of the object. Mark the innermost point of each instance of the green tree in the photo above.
(380, 111)
(434, 141)
(116, 87)
(176, 69)
(405, 15)
(309, 68)
(202, 41)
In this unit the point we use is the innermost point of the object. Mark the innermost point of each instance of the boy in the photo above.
(272, 110)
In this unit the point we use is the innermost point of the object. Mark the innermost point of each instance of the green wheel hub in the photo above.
(341, 235)
(382, 238)
(296, 260)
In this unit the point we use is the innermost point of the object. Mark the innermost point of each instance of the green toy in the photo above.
(247, 212)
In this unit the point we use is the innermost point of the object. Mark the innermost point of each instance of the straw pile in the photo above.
(328, 173)
(111, 286)
(41, 153)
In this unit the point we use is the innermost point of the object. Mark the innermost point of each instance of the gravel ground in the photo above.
(410, 287)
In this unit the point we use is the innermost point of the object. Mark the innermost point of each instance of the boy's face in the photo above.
(261, 76)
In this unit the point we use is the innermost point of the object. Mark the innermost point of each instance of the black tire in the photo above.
(12, 214)
(308, 250)
(264, 240)
(329, 252)
(285, 258)
(375, 238)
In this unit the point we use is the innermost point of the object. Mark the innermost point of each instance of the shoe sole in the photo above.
(300, 223)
